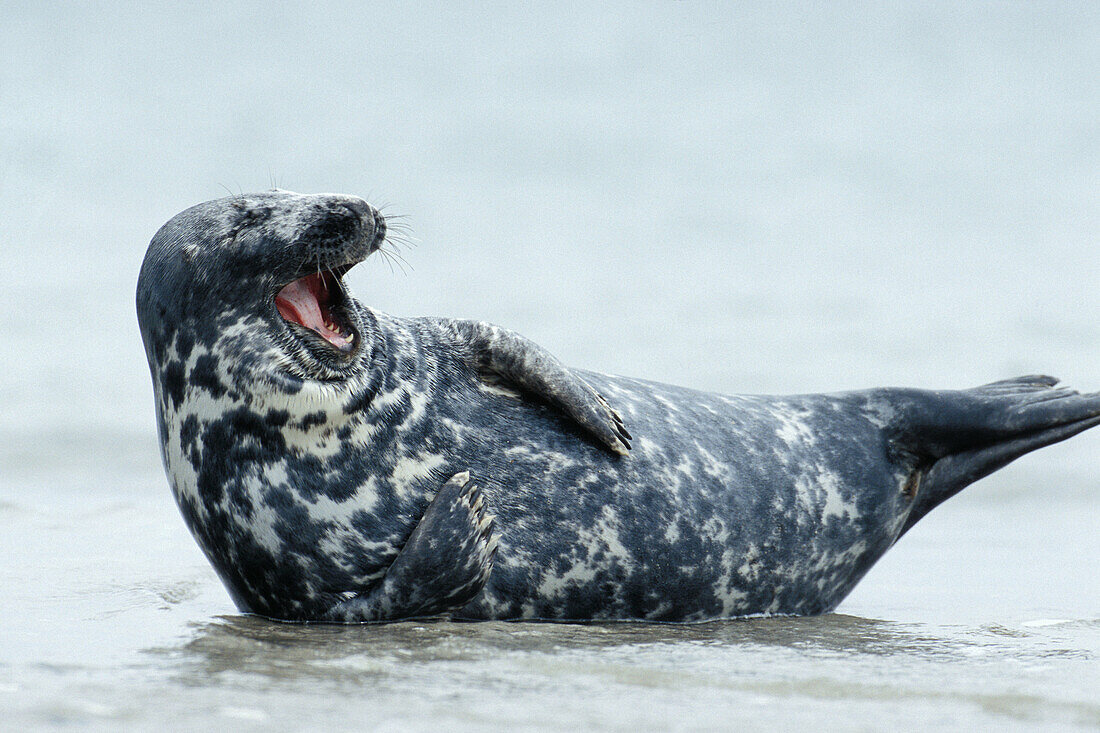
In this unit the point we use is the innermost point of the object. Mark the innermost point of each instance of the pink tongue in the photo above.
(298, 302)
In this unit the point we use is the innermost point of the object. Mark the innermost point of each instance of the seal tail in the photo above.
(967, 435)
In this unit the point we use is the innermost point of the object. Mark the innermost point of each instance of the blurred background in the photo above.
(750, 198)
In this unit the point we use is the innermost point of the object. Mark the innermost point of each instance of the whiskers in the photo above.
(398, 238)
(391, 258)
(228, 190)
(320, 262)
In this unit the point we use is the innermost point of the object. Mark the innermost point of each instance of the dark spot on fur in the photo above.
(278, 418)
(232, 445)
(174, 382)
(185, 342)
(205, 374)
(278, 498)
(299, 532)
(359, 404)
(240, 499)
(313, 419)
(189, 433)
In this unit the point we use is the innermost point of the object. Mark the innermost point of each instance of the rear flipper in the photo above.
(444, 564)
(961, 437)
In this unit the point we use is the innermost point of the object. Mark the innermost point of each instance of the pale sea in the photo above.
(772, 198)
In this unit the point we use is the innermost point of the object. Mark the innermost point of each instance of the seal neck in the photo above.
(288, 387)
(398, 361)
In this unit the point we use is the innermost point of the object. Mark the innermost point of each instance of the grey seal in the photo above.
(339, 464)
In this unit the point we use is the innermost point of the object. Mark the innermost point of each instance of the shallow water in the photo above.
(121, 621)
(729, 201)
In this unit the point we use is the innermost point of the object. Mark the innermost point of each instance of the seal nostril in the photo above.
(358, 208)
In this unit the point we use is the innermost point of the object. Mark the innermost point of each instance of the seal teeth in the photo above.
(308, 302)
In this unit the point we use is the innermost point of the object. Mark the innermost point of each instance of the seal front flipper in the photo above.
(443, 565)
(502, 353)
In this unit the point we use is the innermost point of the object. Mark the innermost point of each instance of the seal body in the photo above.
(344, 466)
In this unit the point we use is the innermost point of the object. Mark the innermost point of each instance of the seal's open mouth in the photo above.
(316, 302)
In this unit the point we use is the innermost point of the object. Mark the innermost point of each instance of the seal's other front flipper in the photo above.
(531, 368)
(964, 436)
(444, 564)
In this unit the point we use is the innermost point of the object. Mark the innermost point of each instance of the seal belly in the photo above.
(726, 506)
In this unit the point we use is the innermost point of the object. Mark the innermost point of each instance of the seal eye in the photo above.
(247, 216)
(311, 302)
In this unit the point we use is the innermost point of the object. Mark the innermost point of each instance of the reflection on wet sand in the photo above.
(851, 661)
(259, 646)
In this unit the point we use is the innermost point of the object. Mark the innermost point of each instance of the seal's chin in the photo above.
(316, 302)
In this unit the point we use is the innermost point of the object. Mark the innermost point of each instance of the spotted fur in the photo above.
(341, 488)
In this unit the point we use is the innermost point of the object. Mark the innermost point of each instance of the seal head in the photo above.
(271, 263)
